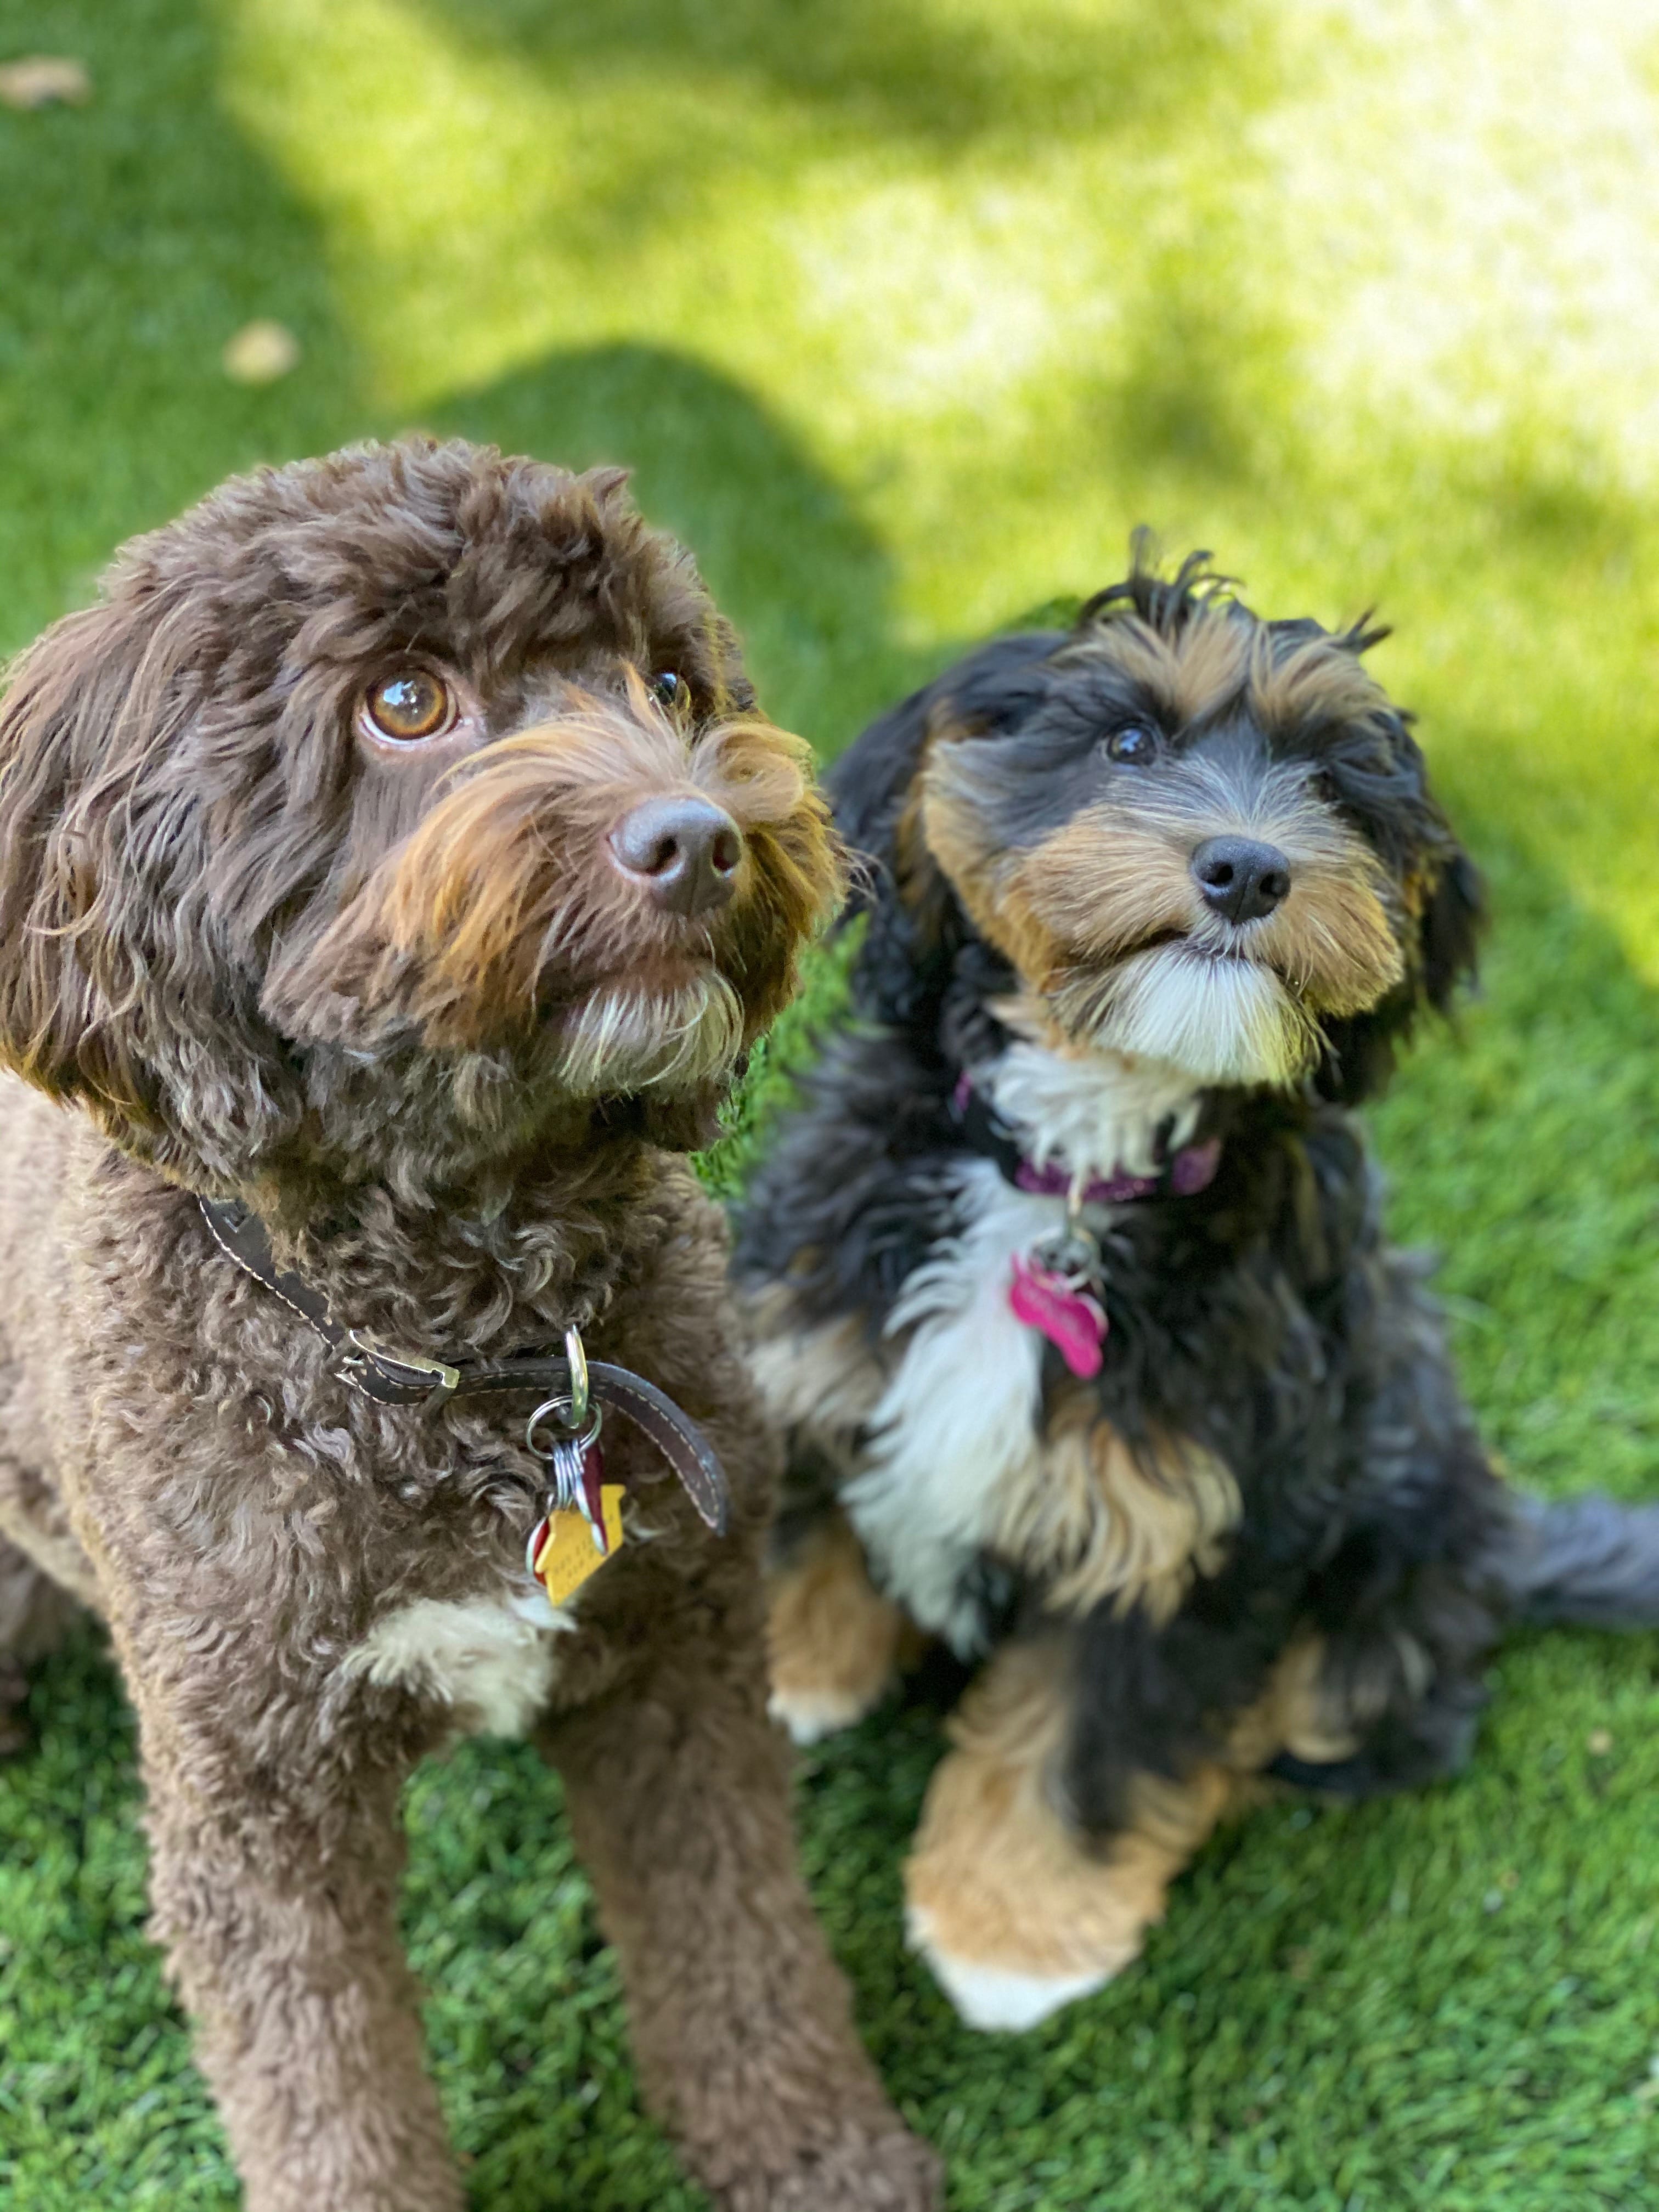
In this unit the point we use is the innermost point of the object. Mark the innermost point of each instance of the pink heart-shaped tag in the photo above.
(1073, 1322)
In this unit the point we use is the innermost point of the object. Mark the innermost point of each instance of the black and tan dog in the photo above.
(1070, 1282)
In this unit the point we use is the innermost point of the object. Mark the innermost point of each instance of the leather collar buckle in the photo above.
(415, 1379)
(577, 1390)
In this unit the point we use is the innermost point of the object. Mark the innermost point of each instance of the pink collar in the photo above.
(1193, 1169)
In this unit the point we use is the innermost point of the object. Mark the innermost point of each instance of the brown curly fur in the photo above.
(240, 940)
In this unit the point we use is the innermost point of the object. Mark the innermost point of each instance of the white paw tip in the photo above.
(811, 1715)
(1000, 1999)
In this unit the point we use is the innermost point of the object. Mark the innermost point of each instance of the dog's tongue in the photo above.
(1073, 1322)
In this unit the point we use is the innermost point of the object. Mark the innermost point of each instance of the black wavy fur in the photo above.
(1266, 1317)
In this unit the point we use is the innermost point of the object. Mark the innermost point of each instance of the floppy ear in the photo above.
(904, 958)
(1360, 1052)
(916, 925)
(1453, 921)
(82, 699)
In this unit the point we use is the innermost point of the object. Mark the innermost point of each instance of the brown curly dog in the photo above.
(394, 871)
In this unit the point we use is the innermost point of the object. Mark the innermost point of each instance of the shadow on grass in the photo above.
(782, 547)
(923, 73)
(140, 233)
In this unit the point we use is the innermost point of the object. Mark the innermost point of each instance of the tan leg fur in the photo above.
(1015, 1911)
(834, 1642)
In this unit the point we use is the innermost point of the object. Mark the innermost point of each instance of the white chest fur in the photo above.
(491, 1657)
(959, 1417)
(960, 1420)
(1094, 1112)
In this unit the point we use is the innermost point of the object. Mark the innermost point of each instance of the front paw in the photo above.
(857, 2171)
(996, 1996)
(834, 1644)
(810, 1714)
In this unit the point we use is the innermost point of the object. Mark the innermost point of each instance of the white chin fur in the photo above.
(625, 1040)
(1220, 1020)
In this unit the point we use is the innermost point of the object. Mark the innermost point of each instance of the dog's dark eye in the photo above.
(410, 706)
(665, 687)
(1135, 746)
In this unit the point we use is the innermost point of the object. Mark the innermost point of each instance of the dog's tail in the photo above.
(1588, 1560)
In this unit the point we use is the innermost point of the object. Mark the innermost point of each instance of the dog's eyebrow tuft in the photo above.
(1189, 676)
(1312, 678)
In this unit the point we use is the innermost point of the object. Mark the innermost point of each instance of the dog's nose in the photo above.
(1240, 879)
(685, 852)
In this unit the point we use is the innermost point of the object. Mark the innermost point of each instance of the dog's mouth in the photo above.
(1253, 941)
(1155, 941)
(669, 1022)
(1216, 1006)
(658, 972)
(1206, 946)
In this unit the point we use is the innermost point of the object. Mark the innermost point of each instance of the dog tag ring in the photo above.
(1056, 1288)
(1073, 1257)
(1070, 1257)
(581, 1524)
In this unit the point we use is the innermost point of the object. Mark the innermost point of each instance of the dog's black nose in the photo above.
(685, 852)
(1240, 879)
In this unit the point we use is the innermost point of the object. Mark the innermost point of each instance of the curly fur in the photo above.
(1267, 1532)
(399, 999)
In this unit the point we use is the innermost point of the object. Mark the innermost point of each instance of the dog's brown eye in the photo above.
(410, 706)
(1135, 744)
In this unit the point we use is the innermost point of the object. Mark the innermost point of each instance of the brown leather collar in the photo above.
(400, 1378)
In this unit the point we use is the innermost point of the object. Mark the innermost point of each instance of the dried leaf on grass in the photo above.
(44, 81)
(260, 352)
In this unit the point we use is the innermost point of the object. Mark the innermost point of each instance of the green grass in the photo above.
(904, 315)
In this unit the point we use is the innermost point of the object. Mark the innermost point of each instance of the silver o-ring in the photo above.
(562, 1412)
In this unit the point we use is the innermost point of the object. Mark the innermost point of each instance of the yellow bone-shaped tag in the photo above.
(563, 1552)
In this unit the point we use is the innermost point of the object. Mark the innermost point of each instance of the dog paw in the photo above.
(810, 1715)
(858, 2172)
(1003, 1999)
(834, 1644)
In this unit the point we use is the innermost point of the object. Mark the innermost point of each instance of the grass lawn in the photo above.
(905, 314)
